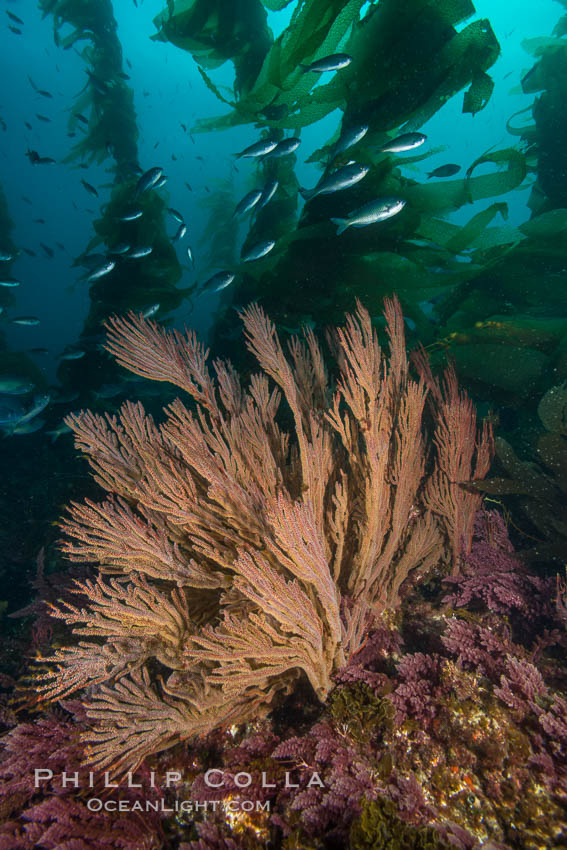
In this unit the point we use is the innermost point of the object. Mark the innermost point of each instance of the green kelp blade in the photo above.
(560, 27)
(475, 227)
(535, 80)
(527, 131)
(218, 243)
(114, 122)
(215, 31)
(211, 86)
(317, 29)
(552, 451)
(300, 43)
(511, 369)
(546, 225)
(316, 32)
(503, 181)
(451, 194)
(503, 487)
(451, 63)
(437, 230)
(316, 106)
(540, 45)
(479, 93)
(523, 476)
(439, 197)
(540, 334)
(276, 5)
(498, 240)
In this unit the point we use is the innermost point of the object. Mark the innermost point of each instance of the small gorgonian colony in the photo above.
(233, 556)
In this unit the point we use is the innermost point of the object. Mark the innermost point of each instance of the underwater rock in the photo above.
(509, 368)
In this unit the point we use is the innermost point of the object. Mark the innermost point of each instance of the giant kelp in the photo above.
(548, 79)
(134, 283)
(387, 86)
(217, 30)
(218, 242)
(316, 27)
(112, 129)
(388, 83)
(507, 327)
(418, 254)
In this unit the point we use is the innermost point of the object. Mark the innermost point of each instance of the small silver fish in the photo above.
(14, 415)
(58, 431)
(260, 148)
(10, 282)
(283, 148)
(161, 182)
(10, 413)
(176, 215)
(142, 251)
(148, 180)
(26, 320)
(108, 391)
(218, 281)
(343, 178)
(350, 138)
(21, 428)
(190, 256)
(405, 142)
(334, 62)
(131, 215)
(39, 403)
(268, 193)
(248, 202)
(61, 397)
(121, 248)
(378, 210)
(14, 385)
(102, 270)
(150, 311)
(76, 354)
(5, 257)
(180, 232)
(90, 188)
(258, 251)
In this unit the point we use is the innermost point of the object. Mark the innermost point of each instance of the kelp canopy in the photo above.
(466, 287)
(387, 86)
(387, 83)
(217, 30)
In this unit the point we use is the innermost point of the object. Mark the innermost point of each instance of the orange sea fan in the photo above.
(226, 546)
